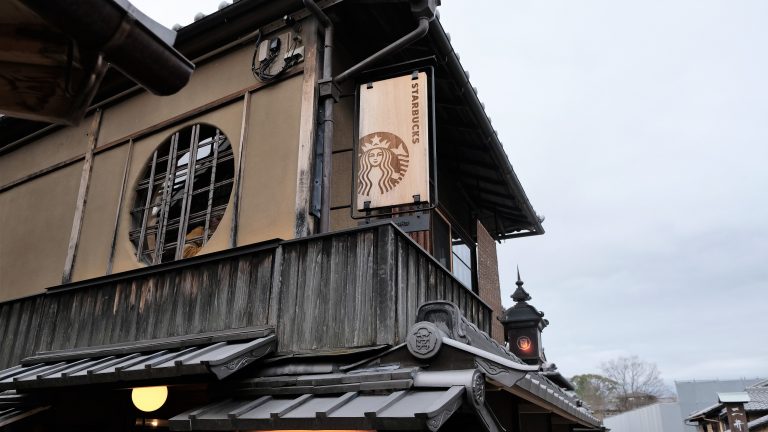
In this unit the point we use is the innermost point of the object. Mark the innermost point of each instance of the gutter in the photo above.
(129, 40)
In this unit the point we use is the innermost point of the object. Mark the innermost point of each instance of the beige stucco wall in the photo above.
(34, 234)
(268, 201)
(58, 146)
(33, 253)
(228, 119)
(209, 82)
(99, 217)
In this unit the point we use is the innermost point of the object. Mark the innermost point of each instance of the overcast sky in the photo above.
(640, 130)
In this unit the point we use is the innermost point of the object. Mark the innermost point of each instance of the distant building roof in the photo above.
(758, 399)
(734, 397)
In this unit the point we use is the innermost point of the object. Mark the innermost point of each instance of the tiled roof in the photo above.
(758, 422)
(758, 399)
(142, 362)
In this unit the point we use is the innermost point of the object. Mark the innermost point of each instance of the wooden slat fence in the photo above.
(355, 288)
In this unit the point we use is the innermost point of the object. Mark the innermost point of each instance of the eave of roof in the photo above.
(232, 22)
(220, 355)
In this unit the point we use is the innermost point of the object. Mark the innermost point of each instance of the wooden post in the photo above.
(307, 131)
(82, 196)
(239, 173)
(119, 207)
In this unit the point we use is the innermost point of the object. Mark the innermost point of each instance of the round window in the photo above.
(182, 194)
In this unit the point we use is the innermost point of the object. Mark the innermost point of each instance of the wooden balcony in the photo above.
(354, 288)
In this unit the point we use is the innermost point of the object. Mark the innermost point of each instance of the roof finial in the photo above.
(520, 295)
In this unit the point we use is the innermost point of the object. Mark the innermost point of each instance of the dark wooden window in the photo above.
(462, 261)
(182, 194)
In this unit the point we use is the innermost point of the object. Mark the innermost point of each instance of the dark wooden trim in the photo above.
(147, 203)
(159, 268)
(21, 141)
(187, 197)
(212, 184)
(63, 164)
(240, 175)
(277, 281)
(349, 150)
(82, 197)
(217, 103)
(210, 106)
(119, 209)
(150, 345)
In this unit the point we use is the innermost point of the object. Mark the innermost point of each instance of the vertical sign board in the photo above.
(737, 418)
(393, 142)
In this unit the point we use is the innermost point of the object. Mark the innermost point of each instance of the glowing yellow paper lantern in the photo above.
(149, 399)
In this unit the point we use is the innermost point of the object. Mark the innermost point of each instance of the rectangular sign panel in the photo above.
(393, 142)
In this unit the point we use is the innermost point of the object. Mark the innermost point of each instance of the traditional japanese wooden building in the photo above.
(735, 411)
(300, 238)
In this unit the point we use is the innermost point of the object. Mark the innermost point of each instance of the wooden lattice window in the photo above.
(180, 199)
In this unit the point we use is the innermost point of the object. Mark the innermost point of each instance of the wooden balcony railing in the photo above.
(354, 288)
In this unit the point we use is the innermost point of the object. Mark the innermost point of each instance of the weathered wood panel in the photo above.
(19, 328)
(217, 295)
(356, 288)
(361, 288)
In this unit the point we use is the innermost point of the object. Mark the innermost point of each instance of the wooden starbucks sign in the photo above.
(393, 142)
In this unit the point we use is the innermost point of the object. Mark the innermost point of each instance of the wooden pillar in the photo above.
(305, 223)
(239, 169)
(119, 208)
(82, 196)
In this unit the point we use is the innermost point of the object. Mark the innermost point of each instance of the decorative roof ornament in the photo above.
(520, 294)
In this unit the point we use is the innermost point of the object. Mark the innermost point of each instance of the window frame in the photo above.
(157, 192)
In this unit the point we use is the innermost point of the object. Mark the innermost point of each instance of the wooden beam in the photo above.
(307, 131)
(82, 196)
(118, 210)
(239, 170)
(25, 43)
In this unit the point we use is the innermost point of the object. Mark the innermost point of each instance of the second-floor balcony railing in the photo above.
(354, 288)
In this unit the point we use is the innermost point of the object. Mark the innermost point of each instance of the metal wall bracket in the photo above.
(328, 88)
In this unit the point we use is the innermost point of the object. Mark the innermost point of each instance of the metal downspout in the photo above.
(326, 123)
(329, 93)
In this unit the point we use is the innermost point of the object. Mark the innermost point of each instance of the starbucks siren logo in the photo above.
(383, 162)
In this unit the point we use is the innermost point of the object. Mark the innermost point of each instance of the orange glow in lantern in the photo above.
(524, 343)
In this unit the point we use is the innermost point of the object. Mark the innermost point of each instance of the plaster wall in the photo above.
(268, 200)
(58, 146)
(34, 234)
(210, 81)
(228, 119)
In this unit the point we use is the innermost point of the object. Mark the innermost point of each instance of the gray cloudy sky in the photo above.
(639, 129)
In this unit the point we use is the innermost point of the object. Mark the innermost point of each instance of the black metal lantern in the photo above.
(523, 325)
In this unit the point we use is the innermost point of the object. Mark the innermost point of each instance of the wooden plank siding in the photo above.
(354, 288)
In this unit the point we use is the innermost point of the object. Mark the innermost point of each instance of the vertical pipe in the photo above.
(326, 123)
